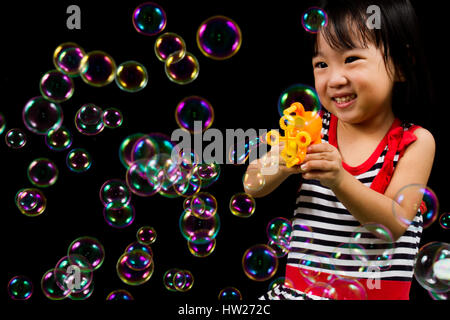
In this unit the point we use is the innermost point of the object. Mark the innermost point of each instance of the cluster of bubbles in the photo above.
(178, 280)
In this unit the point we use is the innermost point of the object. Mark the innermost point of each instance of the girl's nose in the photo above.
(337, 79)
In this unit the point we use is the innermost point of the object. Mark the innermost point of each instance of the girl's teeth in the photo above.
(345, 99)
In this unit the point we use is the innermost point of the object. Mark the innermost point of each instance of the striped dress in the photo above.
(332, 256)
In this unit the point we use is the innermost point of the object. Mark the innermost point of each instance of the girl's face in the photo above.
(355, 85)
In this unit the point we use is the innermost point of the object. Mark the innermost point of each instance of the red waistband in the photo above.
(376, 289)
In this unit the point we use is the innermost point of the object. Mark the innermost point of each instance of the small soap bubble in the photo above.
(183, 280)
(2, 123)
(59, 139)
(168, 279)
(31, 202)
(20, 288)
(203, 248)
(170, 43)
(281, 249)
(313, 19)
(432, 268)
(119, 295)
(136, 245)
(279, 230)
(259, 262)
(112, 118)
(119, 218)
(78, 160)
(198, 230)
(74, 273)
(219, 37)
(50, 287)
(127, 147)
(135, 267)
(230, 293)
(416, 198)
(131, 76)
(149, 19)
(143, 180)
(208, 173)
(146, 235)
(97, 68)
(15, 138)
(42, 172)
(349, 289)
(444, 220)
(242, 205)
(203, 205)
(89, 119)
(90, 248)
(67, 58)
(304, 94)
(115, 193)
(191, 109)
(56, 86)
(182, 71)
(40, 115)
(323, 290)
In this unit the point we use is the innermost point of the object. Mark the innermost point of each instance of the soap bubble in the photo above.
(58, 139)
(89, 119)
(149, 19)
(182, 71)
(219, 37)
(89, 248)
(230, 293)
(202, 248)
(444, 220)
(115, 193)
(112, 118)
(349, 289)
(56, 86)
(78, 160)
(203, 205)
(432, 268)
(136, 245)
(31, 202)
(40, 115)
(141, 181)
(242, 205)
(67, 58)
(259, 262)
(131, 76)
(146, 235)
(313, 19)
(198, 230)
(42, 172)
(304, 94)
(15, 138)
(126, 149)
(178, 280)
(73, 273)
(279, 230)
(135, 267)
(208, 173)
(191, 109)
(170, 43)
(119, 295)
(120, 217)
(20, 288)
(97, 69)
(323, 290)
(414, 198)
(169, 277)
(50, 287)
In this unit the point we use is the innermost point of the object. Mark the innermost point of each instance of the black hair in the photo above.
(399, 36)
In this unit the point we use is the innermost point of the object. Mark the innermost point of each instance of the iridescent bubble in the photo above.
(182, 71)
(119, 218)
(89, 248)
(97, 68)
(312, 265)
(31, 202)
(141, 180)
(432, 267)
(313, 19)
(208, 173)
(281, 249)
(201, 248)
(136, 245)
(126, 149)
(15, 138)
(115, 193)
(169, 278)
(40, 115)
(127, 270)
(50, 287)
(73, 273)
(279, 230)
(355, 251)
(203, 205)
(131, 76)
(230, 293)
(253, 180)
(146, 235)
(304, 94)
(259, 262)
(42, 172)
(59, 139)
(169, 43)
(191, 109)
(219, 37)
(183, 280)
(89, 119)
(78, 160)
(348, 289)
(242, 205)
(414, 198)
(119, 295)
(149, 19)
(112, 118)
(444, 220)
(56, 86)
(83, 294)
(198, 230)
(67, 58)
(2, 123)
(20, 288)
(144, 149)
(323, 290)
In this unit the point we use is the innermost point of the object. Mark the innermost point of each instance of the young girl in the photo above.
(366, 156)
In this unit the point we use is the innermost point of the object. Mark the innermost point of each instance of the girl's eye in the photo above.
(351, 59)
(320, 65)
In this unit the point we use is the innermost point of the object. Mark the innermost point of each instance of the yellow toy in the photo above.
(301, 128)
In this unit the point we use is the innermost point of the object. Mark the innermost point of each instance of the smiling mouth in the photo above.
(346, 99)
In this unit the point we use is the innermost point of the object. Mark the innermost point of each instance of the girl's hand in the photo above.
(323, 162)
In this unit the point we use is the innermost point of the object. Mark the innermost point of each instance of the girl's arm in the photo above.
(323, 162)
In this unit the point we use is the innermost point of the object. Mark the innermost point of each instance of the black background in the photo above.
(243, 91)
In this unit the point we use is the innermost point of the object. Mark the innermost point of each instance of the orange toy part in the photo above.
(301, 128)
